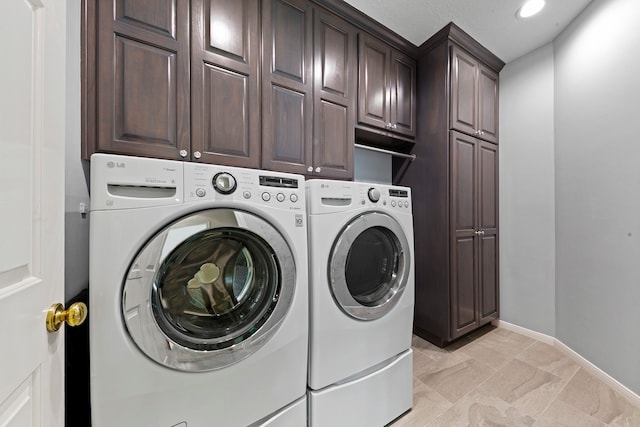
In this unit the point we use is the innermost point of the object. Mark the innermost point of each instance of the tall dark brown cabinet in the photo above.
(454, 183)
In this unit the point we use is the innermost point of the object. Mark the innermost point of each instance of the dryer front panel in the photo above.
(208, 290)
(369, 266)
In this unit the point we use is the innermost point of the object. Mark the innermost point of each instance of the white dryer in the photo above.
(361, 271)
(198, 295)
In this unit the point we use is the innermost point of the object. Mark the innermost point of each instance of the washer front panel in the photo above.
(208, 290)
(369, 266)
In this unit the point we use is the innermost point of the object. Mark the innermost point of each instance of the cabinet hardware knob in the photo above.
(394, 126)
(318, 169)
(310, 169)
(197, 154)
(183, 153)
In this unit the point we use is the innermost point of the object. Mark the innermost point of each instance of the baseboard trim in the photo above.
(620, 388)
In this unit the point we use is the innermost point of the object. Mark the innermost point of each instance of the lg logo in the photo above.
(112, 165)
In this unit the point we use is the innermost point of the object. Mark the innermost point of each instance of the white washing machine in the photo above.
(198, 295)
(361, 271)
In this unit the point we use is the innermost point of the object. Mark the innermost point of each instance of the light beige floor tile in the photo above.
(550, 359)
(523, 386)
(456, 376)
(496, 348)
(421, 363)
(427, 405)
(478, 410)
(562, 415)
(591, 396)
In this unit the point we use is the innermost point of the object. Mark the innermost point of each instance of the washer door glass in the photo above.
(369, 266)
(208, 290)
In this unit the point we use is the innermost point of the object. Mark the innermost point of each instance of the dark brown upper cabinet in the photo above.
(225, 72)
(309, 90)
(139, 101)
(287, 85)
(387, 88)
(335, 93)
(474, 96)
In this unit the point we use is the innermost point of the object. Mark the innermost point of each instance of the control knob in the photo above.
(224, 183)
(374, 195)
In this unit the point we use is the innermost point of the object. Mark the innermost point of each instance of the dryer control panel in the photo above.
(223, 183)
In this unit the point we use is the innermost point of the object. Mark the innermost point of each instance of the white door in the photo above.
(32, 137)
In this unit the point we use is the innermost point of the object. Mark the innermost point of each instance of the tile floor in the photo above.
(495, 377)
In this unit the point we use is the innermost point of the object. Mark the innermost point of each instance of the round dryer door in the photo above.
(369, 266)
(208, 290)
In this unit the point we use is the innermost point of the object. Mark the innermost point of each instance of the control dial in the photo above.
(374, 195)
(224, 183)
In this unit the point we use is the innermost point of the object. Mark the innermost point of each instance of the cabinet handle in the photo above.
(183, 153)
(481, 133)
(394, 126)
(310, 169)
(318, 169)
(197, 154)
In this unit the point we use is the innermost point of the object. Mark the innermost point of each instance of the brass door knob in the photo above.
(75, 315)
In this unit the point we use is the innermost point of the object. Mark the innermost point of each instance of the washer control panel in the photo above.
(213, 182)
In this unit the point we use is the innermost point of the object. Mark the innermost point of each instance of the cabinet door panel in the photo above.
(335, 92)
(143, 80)
(224, 91)
(145, 102)
(226, 109)
(488, 186)
(289, 126)
(463, 286)
(488, 283)
(288, 41)
(287, 87)
(463, 181)
(373, 99)
(463, 92)
(403, 89)
(155, 15)
(488, 104)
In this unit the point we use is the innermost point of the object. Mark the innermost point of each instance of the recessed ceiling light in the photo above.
(530, 8)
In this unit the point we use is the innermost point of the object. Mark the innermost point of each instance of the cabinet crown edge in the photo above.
(454, 33)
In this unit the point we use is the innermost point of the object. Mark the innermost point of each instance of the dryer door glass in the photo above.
(369, 266)
(208, 290)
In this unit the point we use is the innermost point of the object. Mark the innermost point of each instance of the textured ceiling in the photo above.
(493, 23)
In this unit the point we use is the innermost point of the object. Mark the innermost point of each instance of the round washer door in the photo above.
(208, 290)
(369, 266)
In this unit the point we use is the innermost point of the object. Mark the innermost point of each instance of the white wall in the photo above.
(597, 88)
(76, 227)
(527, 205)
(576, 139)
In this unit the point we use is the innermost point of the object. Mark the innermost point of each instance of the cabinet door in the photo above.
(488, 225)
(464, 74)
(287, 85)
(464, 247)
(225, 100)
(143, 77)
(335, 92)
(373, 80)
(403, 94)
(488, 104)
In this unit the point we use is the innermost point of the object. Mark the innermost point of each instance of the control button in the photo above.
(224, 183)
(384, 203)
(246, 194)
(266, 196)
(393, 203)
(280, 197)
(362, 202)
(201, 192)
(406, 204)
(374, 195)
(293, 197)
